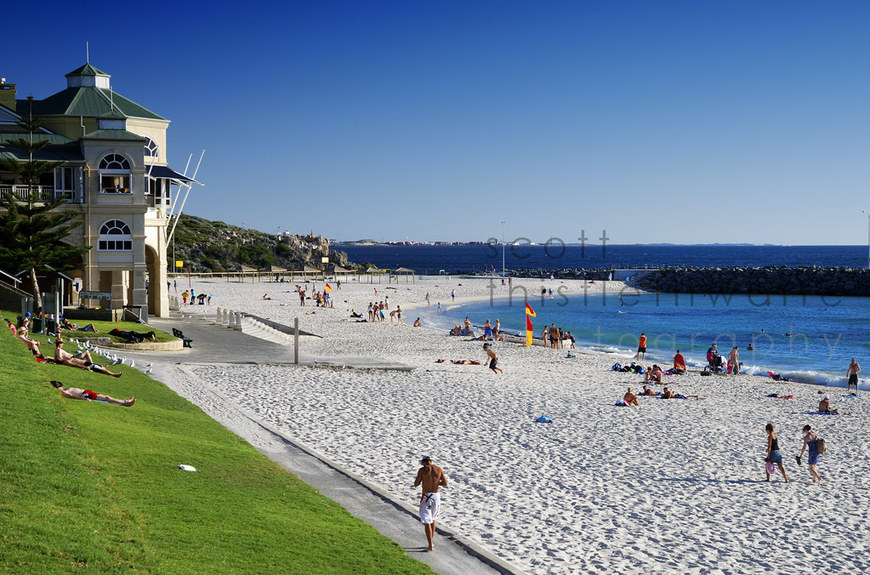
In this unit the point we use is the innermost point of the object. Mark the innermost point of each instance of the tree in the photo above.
(32, 229)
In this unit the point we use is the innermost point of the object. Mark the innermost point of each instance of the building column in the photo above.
(140, 293)
(119, 289)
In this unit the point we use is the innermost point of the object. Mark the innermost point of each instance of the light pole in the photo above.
(503, 247)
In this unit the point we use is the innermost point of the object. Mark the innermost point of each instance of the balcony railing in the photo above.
(44, 193)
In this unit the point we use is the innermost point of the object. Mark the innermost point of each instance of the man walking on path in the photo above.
(852, 372)
(432, 478)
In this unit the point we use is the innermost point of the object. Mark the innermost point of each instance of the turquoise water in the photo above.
(825, 332)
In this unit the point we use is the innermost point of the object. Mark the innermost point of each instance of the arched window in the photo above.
(114, 174)
(115, 236)
(151, 149)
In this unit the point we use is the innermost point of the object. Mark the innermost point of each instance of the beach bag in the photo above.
(771, 467)
(616, 367)
(821, 446)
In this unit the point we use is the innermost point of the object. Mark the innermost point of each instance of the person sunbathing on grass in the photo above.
(81, 363)
(31, 344)
(61, 355)
(133, 336)
(88, 395)
(71, 326)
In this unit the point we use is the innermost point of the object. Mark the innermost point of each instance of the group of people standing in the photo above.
(190, 297)
(554, 338)
(377, 311)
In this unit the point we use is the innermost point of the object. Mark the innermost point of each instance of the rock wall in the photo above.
(768, 280)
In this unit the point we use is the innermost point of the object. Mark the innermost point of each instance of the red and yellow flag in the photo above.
(530, 330)
(327, 287)
(530, 311)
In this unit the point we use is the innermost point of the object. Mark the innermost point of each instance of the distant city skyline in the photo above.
(660, 122)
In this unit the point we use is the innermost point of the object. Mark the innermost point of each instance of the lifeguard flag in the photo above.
(530, 330)
(327, 287)
(530, 311)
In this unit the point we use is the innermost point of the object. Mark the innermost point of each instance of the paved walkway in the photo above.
(214, 344)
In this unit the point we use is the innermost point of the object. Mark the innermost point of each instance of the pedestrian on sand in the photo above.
(641, 347)
(810, 440)
(432, 478)
(852, 373)
(493, 359)
(773, 453)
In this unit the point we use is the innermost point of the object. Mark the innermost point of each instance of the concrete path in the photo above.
(215, 344)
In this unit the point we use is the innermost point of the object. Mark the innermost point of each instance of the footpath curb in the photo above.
(484, 556)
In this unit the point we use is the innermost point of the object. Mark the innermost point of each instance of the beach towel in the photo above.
(851, 395)
(820, 413)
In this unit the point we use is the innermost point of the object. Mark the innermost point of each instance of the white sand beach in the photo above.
(672, 486)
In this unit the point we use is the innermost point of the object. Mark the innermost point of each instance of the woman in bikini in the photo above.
(773, 453)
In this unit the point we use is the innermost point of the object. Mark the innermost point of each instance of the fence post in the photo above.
(296, 341)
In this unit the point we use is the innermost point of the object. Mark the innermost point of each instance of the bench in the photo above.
(177, 333)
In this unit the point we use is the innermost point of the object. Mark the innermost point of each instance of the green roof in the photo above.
(87, 101)
(60, 153)
(14, 134)
(86, 70)
(113, 135)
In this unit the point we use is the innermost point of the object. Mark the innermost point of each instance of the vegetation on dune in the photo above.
(205, 245)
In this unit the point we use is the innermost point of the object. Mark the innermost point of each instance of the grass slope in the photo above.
(89, 485)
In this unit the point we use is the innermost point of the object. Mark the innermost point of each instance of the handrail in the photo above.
(45, 193)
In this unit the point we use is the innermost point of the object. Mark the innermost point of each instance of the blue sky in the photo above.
(659, 121)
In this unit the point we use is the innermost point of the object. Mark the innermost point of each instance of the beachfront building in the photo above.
(112, 167)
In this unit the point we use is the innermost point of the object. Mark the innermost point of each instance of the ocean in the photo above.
(809, 339)
(430, 260)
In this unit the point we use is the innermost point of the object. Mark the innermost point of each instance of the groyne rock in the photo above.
(766, 280)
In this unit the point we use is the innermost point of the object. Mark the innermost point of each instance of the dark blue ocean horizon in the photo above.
(463, 259)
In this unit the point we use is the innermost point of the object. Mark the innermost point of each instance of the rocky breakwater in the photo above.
(767, 280)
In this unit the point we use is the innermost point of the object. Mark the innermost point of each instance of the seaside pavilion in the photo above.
(111, 166)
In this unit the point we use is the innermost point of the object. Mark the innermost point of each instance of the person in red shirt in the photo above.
(679, 363)
(641, 347)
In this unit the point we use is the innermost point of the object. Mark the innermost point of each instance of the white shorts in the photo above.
(430, 507)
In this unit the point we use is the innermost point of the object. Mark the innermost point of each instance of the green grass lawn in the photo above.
(94, 486)
(104, 327)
